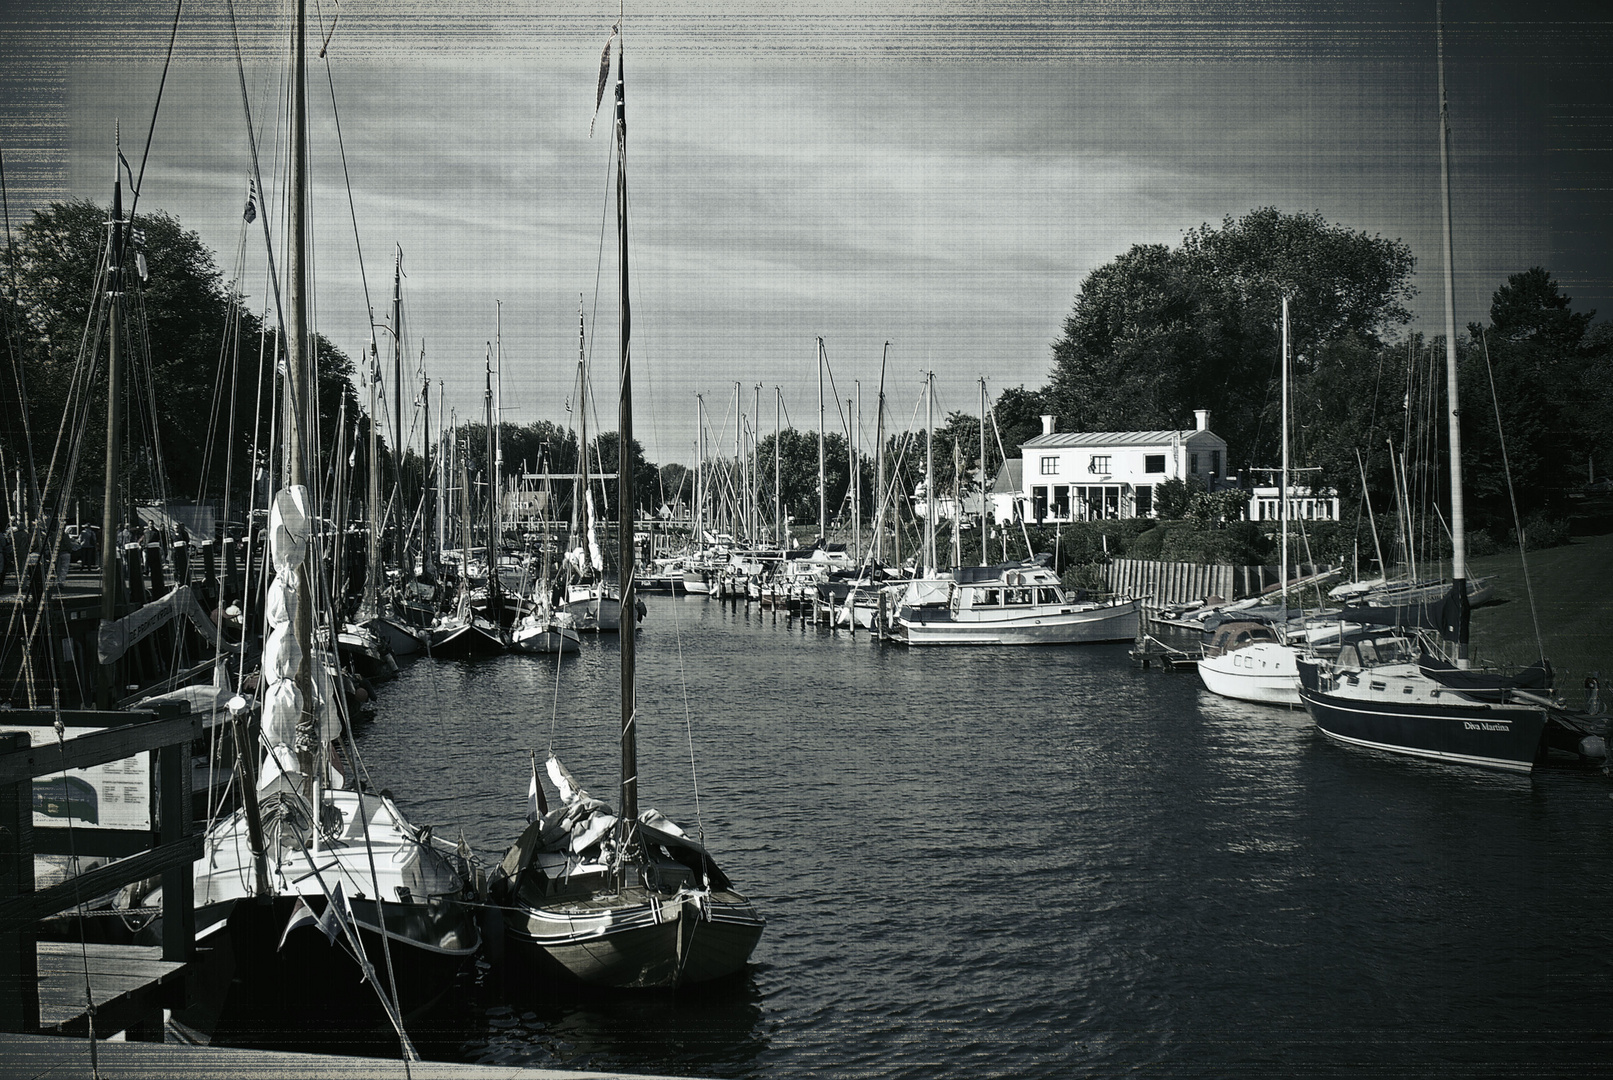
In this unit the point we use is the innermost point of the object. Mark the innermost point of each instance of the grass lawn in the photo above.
(1573, 587)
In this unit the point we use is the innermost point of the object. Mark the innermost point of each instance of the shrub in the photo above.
(1540, 531)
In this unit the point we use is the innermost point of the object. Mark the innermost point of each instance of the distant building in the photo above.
(1093, 475)
(1303, 504)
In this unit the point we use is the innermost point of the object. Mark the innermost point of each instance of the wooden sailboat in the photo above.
(316, 883)
(619, 899)
(1385, 692)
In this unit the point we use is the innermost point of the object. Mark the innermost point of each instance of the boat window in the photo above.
(989, 598)
(1349, 658)
(1369, 653)
(1017, 596)
(1047, 596)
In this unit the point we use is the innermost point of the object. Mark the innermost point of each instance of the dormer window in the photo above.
(1100, 463)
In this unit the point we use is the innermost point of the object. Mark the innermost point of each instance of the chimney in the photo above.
(1047, 423)
(1201, 418)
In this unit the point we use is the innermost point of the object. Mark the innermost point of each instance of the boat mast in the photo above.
(372, 550)
(624, 472)
(755, 465)
(494, 602)
(700, 473)
(856, 475)
(1282, 497)
(110, 555)
(397, 411)
(1452, 400)
(983, 537)
(778, 494)
(879, 459)
(823, 493)
(298, 440)
(929, 473)
(498, 427)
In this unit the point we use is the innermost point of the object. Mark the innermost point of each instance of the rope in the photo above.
(72, 848)
(1512, 495)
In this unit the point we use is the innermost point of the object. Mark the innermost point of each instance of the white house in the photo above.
(1303, 505)
(1087, 475)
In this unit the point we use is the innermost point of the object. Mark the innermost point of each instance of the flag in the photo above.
(604, 77)
(301, 915)
(537, 804)
(251, 212)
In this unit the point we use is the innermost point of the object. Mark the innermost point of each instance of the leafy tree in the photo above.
(1160, 332)
(1538, 351)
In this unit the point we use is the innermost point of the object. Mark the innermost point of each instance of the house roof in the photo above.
(1009, 476)
(1061, 439)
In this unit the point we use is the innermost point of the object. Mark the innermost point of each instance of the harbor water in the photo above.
(1026, 863)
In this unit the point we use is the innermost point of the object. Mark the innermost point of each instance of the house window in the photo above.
(1154, 463)
(1050, 466)
(1145, 500)
(1215, 463)
(1061, 502)
(1039, 504)
(1192, 463)
(1100, 463)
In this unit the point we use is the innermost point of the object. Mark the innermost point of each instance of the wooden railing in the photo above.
(169, 849)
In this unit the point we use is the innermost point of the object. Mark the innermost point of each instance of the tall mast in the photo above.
(778, 493)
(983, 534)
(823, 494)
(879, 460)
(579, 497)
(624, 472)
(1452, 402)
(397, 393)
(699, 472)
(1282, 496)
(492, 486)
(372, 550)
(856, 475)
(755, 464)
(498, 426)
(110, 555)
(425, 463)
(929, 472)
(298, 438)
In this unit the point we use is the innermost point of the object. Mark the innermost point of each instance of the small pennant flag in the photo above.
(301, 915)
(251, 211)
(604, 77)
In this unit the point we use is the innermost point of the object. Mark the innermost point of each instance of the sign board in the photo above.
(116, 795)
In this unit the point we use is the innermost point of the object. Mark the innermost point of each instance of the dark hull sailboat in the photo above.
(622, 900)
(1395, 708)
(460, 639)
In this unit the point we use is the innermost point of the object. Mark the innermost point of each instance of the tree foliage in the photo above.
(1160, 331)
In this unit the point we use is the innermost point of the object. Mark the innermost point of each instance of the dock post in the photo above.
(19, 960)
(178, 883)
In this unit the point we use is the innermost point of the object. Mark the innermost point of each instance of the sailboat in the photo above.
(1251, 658)
(1384, 692)
(316, 884)
(619, 899)
(541, 628)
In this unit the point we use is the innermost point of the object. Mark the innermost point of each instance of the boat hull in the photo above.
(259, 991)
(467, 639)
(544, 640)
(667, 942)
(1116, 622)
(1264, 673)
(1494, 736)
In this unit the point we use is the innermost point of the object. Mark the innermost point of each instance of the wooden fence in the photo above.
(1164, 583)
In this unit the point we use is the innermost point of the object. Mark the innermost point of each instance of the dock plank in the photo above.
(118, 975)
(44, 1057)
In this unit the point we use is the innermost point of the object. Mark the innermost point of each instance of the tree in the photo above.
(1538, 352)
(191, 351)
(1160, 332)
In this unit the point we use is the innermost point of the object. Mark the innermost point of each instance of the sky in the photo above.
(939, 176)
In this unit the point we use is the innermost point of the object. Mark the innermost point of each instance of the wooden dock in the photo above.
(131, 985)
(44, 1057)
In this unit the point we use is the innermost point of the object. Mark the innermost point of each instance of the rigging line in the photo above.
(72, 847)
(347, 179)
(152, 129)
(1517, 523)
(257, 171)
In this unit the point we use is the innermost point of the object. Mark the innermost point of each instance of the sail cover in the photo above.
(283, 655)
